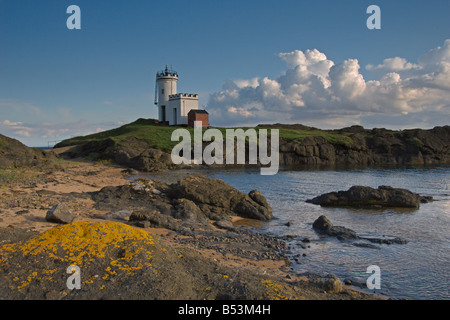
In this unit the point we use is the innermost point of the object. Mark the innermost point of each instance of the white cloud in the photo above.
(317, 91)
(393, 64)
(17, 128)
(22, 133)
(9, 123)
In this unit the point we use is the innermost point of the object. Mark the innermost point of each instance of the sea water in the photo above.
(418, 269)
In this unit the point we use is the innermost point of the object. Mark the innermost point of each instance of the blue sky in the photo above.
(56, 83)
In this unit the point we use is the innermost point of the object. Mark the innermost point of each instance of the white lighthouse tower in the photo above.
(166, 84)
(173, 107)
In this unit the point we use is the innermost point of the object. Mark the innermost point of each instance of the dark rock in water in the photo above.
(342, 233)
(356, 281)
(360, 196)
(348, 282)
(365, 245)
(384, 239)
(426, 199)
(60, 214)
(324, 225)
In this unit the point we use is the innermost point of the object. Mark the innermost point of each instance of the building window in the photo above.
(162, 91)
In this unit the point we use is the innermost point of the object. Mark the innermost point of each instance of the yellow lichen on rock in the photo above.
(274, 291)
(81, 243)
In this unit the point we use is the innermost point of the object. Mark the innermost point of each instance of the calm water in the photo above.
(416, 270)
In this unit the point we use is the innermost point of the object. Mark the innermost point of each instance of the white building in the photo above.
(173, 107)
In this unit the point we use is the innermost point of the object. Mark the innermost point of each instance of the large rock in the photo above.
(322, 223)
(60, 213)
(221, 199)
(361, 196)
(192, 200)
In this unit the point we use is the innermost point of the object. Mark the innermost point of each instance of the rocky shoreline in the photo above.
(369, 147)
(52, 208)
(143, 239)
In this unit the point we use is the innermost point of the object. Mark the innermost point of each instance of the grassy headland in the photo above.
(300, 145)
(159, 137)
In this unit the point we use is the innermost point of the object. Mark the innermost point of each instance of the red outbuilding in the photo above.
(198, 115)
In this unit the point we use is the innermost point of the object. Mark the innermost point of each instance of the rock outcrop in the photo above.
(217, 198)
(195, 199)
(369, 147)
(131, 152)
(361, 196)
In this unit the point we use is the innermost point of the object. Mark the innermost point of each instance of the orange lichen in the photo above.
(274, 291)
(81, 243)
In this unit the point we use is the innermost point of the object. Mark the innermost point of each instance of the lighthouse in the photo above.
(166, 85)
(173, 107)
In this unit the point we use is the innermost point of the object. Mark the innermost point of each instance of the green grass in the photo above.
(296, 135)
(416, 142)
(13, 176)
(159, 137)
